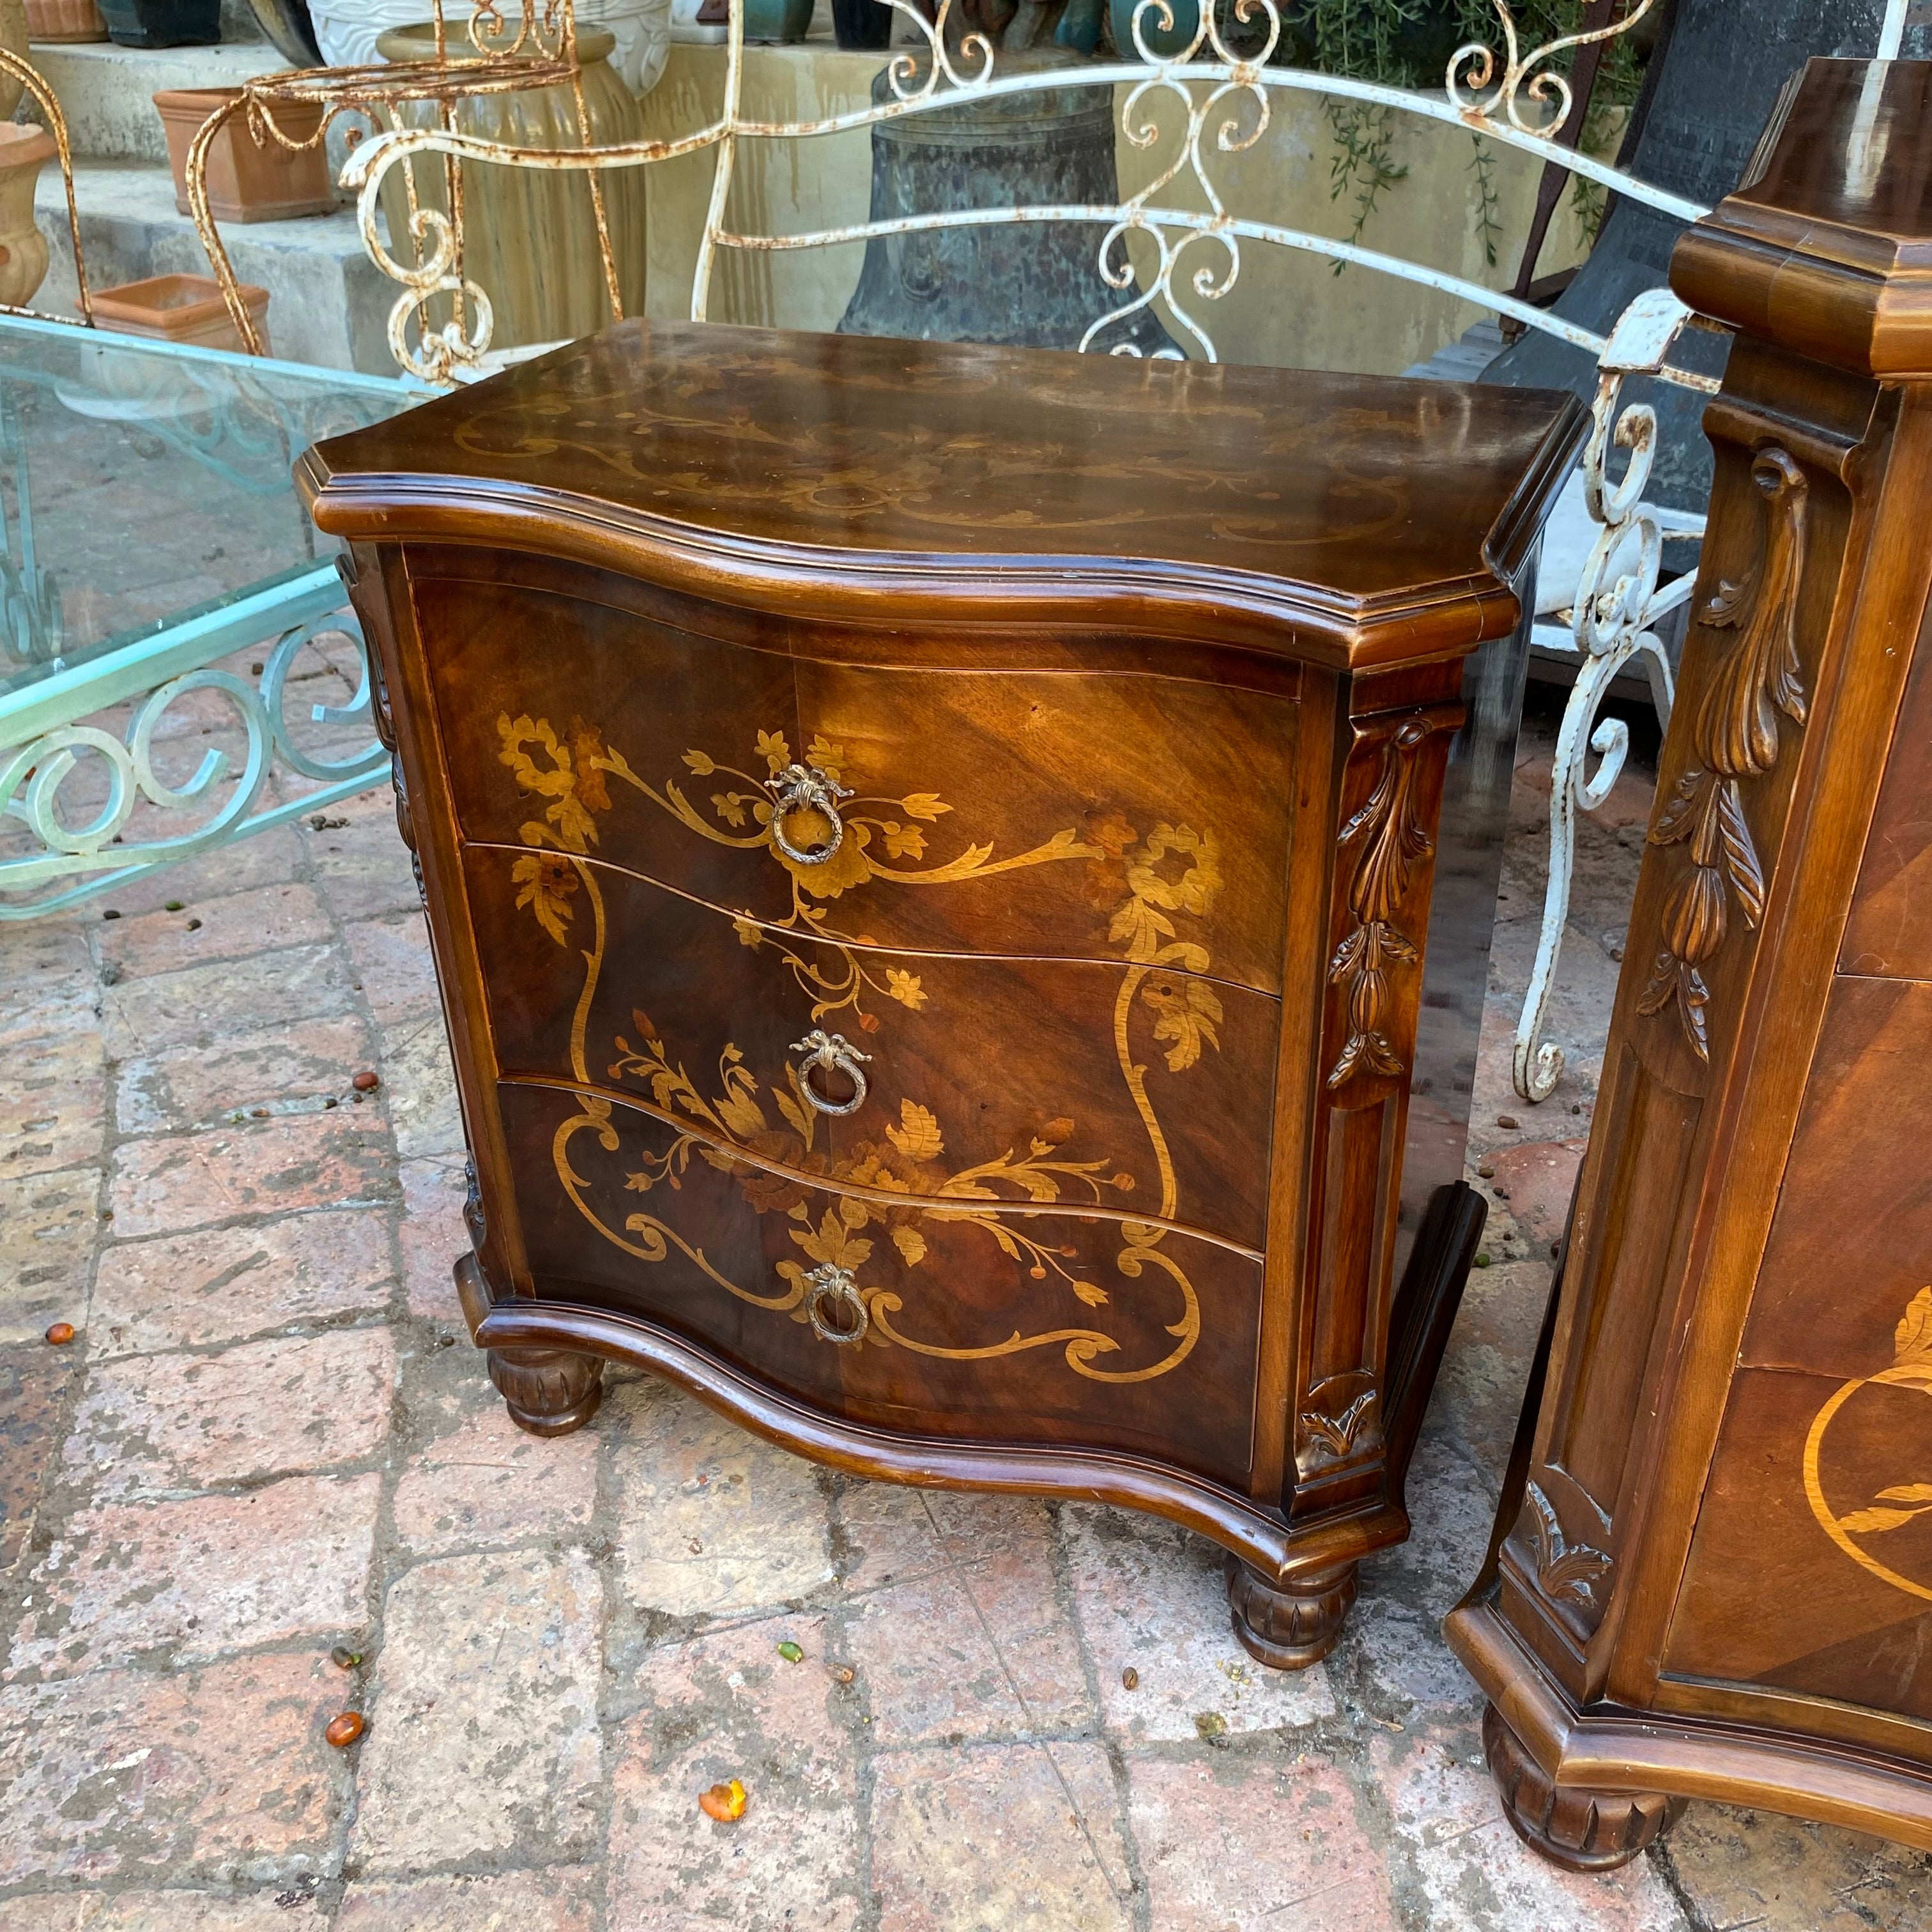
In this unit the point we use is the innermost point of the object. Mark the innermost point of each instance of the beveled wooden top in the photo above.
(1349, 519)
(1826, 246)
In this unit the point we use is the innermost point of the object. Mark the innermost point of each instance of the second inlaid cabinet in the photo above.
(961, 883)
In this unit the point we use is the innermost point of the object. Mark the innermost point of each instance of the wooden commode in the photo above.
(1713, 1570)
(961, 883)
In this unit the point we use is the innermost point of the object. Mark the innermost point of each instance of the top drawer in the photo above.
(1050, 814)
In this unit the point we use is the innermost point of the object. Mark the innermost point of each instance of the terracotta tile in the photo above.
(1232, 1843)
(53, 1103)
(686, 1478)
(362, 867)
(419, 1085)
(217, 1773)
(147, 1424)
(262, 859)
(35, 1380)
(1537, 1178)
(1452, 1505)
(338, 1159)
(981, 1648)
(1401, 1650)
(44, 963)
(181, 1581)
(726, 1705)
(433, 1233)
(1025, 1837)
(1754, 1869)
(1479, 1390)
(562, 1899)
(275, 1908)
(893, 1534)
(295, 1068)
(49, 1224)
(233, 926)
(204, 1005)
(1474, 1872)
(392, 961)
(483, 1729)
(222, 1284)
(485, 1481)
(1153, 1597)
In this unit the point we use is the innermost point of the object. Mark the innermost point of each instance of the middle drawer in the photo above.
(1071, 1082)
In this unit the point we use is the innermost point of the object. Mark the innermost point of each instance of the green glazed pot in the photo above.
(777, 20)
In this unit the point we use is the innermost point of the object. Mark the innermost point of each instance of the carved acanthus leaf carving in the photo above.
(1395, 845)
(1335, 1435)
(1565, 1571)
(1736, 739)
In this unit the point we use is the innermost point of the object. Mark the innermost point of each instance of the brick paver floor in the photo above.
(272, 1440)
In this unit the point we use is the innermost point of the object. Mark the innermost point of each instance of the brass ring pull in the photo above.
(836, 1054)
(799, 788)
(829, 1289)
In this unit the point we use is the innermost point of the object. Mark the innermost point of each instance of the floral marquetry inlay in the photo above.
(1898, 1505)
(876, 1205)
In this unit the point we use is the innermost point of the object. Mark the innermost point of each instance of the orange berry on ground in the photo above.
(60, 1333)
(724, 1802)
(345, 1729)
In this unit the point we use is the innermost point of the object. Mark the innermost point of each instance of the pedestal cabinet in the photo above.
(962, 883)
(1715, 1560)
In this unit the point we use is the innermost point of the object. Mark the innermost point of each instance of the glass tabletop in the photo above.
(143, 484)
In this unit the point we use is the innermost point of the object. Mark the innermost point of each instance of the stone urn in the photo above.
(529, 236)
(13, 36)
(23, 248)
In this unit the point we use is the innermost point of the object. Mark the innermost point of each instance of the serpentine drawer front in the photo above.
(930, 855)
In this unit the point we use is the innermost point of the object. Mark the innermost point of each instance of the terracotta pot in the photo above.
(23, 248)
(162, 23)
(180, 308)
(529, 241)
(247, 182)
(58, 21)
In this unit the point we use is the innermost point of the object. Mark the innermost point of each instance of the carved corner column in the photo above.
(1382, 872)
(547, 1392)
(1811, 594)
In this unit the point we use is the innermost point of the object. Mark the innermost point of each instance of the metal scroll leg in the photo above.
(1538, 1064)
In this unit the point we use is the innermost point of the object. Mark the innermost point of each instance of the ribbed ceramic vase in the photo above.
(530, 237)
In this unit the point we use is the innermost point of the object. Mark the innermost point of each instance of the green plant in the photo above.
(1407, 43)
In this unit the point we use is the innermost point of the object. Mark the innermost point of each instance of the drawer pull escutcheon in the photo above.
(837, 1054)
(830, 1287)
(799, 788)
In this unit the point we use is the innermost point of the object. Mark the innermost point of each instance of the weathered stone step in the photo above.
(328, 304)
(106, 92)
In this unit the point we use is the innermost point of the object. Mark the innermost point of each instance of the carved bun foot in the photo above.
(1581, 1830)
(547, 1391)
(1291, 1624)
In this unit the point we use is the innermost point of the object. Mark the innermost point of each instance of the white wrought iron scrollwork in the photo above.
(75, 788)
(1612, 620)
(1210, 74)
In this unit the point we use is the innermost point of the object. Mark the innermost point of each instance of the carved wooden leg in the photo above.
(1581, 1830)
(547, 1391)
(1290, 1625)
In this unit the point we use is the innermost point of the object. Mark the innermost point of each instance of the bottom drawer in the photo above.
(1017, 1327)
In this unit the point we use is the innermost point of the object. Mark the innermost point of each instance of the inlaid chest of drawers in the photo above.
(961, 881)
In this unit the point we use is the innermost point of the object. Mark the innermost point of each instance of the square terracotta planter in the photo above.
(58, 22)
(180, 308)
(246, 181)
